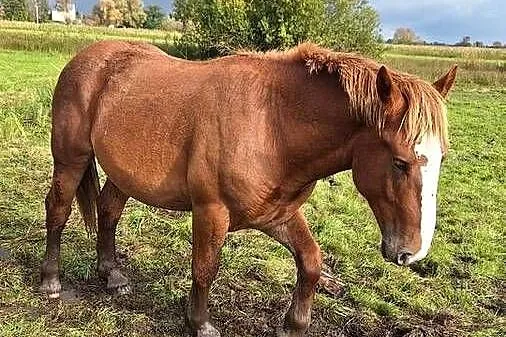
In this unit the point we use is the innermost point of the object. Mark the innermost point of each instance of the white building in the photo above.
(62, 16)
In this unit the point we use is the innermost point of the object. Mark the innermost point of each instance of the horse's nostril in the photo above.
(403, 258)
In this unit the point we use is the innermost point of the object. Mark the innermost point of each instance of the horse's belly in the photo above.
(144, 160)
(156, 187)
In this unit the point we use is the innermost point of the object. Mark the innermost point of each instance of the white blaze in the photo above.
(429, 149)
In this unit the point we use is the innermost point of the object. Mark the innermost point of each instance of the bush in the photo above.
(352, 25)
(154, 17)
(217, 27)
(15, 10)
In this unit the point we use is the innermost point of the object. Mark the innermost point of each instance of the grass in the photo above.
(458, 290)
(53, 37)
(477, 66)
(483, 72)
(448, 52)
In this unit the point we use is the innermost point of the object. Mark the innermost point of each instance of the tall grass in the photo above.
(148, 34)
(30, 117)
(448, 52)
(471, 71)
(70, 39)
(477, 66)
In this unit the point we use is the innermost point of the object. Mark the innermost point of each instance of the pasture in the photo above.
(458, 290)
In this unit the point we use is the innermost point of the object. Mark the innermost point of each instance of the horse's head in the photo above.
(398, 172)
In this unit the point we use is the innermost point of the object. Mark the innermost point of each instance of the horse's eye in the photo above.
(400, 165)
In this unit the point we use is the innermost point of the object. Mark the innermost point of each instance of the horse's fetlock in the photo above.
(50, 285)
(116, 279)
(297, 324)
(104, 267)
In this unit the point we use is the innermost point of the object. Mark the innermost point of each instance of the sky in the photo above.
(445, 20)
(432, 20)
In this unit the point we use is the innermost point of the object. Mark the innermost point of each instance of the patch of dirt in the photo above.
(425, 268)
(4, 254)
(70, 295)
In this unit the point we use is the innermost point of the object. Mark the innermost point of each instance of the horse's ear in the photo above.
(445, 83)
(384, 84)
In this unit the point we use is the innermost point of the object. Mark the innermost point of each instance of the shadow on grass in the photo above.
(252, 304)
(236, 310)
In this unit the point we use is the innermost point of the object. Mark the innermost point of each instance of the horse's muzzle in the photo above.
(403, 258)
(400, 258)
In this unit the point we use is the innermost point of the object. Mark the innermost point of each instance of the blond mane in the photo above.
(426, 112)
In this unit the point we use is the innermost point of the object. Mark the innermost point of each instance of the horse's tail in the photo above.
(87, 194)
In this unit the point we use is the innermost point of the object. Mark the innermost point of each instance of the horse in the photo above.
(240, 141)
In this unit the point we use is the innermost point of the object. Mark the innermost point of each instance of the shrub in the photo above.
(154, 17)
(215, 27)
(352, 25)
(15, 10)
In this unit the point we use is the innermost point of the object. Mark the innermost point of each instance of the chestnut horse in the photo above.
(240, 141)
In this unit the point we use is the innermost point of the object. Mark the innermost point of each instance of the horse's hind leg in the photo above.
(110, 206)
(66, 179)
(295, 235)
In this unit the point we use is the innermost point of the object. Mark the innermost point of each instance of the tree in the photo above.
(132, 12)
(405, 35)
(497, 44)
(107, 13)
(15, 10)
(38, 10)
(479, 44)
(465, 42)
(154, 17)
(215, 27)
(126, 13)
(63, 5)
(351, 25)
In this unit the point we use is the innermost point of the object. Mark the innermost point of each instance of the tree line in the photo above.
(118, 13)
(24, 10)
(215, 27)
(404, 35)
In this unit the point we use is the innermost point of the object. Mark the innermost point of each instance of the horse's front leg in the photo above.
(295, 235)
(209, 226)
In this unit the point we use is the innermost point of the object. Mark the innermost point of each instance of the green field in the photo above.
(458, 290)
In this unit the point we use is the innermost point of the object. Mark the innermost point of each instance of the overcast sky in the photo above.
(433, 20)
(445, 20)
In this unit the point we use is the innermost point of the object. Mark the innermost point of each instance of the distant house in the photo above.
(64, 16)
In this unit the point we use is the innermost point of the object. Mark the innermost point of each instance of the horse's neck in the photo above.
(317, 129)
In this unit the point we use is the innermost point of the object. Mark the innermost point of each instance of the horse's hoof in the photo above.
(118, 283)
(51, 287)
(123, 290)
(207, 330)
(281, 332)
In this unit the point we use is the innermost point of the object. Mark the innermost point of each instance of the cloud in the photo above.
(460, 6)
(445, 20)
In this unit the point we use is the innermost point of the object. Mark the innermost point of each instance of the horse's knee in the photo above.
(310, 264)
